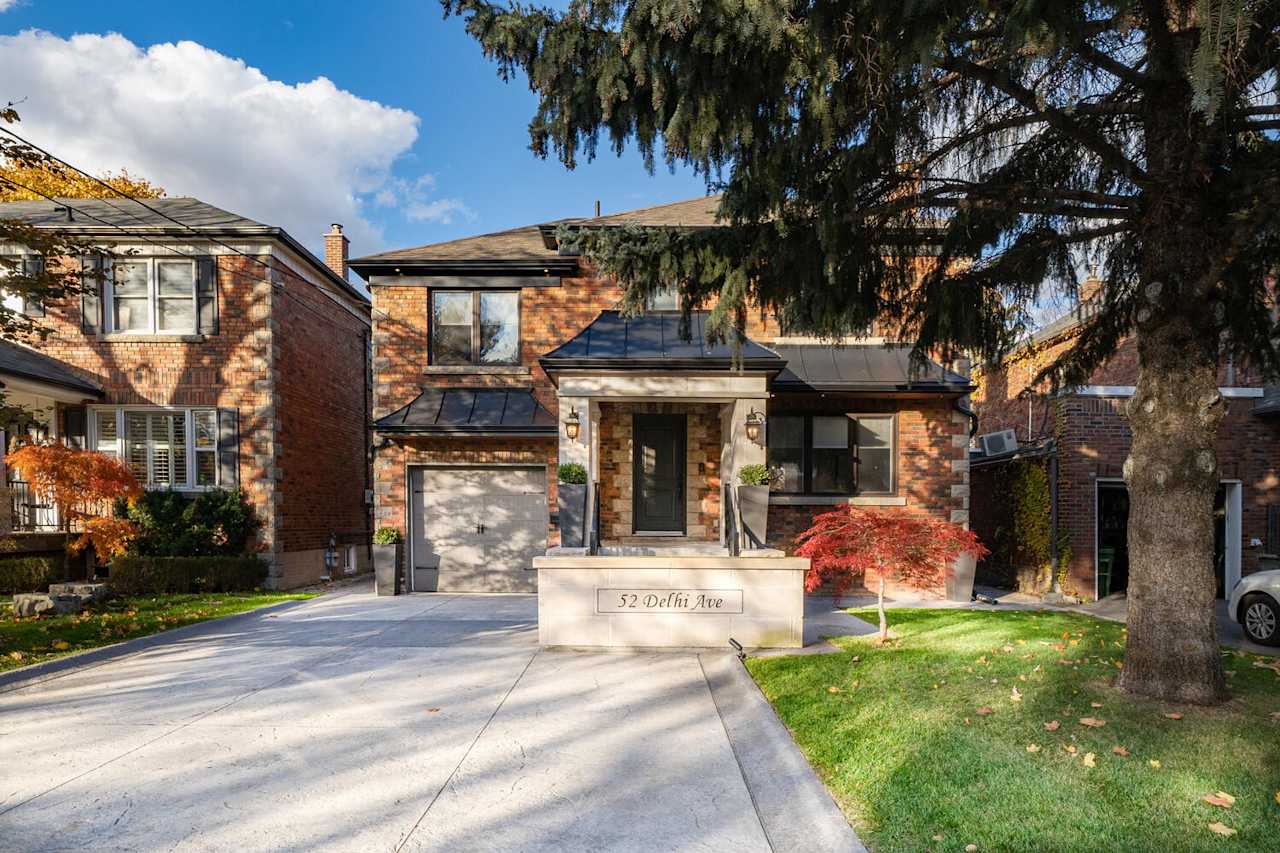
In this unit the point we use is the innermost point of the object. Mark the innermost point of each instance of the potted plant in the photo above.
(753, 504)
(571, 500)
(388, 554)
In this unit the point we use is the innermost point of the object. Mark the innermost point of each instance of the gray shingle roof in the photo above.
(514, 244)
(121, 218)
(653, 340)
(18, 361)
(484, 411)
(860, 367)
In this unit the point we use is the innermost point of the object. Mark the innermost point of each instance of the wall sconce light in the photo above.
(755, 421)
(572, 425)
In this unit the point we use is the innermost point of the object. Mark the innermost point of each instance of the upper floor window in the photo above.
(161, 295)
(475, 327)
(22, 303)
(664, 299)
(833, 454)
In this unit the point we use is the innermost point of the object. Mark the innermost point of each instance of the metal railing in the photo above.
(28, 514)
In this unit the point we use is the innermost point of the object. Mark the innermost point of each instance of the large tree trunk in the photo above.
(1172, 470)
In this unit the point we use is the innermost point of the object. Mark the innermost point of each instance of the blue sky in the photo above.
(469, 169)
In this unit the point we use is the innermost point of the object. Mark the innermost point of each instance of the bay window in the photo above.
(832, 454)
(165, 448)
(475, 327)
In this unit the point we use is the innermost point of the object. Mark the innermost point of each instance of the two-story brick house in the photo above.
(209, 350)
(499, 357)
(1085, 434)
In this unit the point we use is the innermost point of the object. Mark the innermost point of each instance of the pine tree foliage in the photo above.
(1012, 139)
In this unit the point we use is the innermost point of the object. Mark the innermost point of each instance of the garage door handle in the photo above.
(480, 529)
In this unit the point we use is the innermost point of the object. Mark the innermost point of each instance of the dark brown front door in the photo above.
(658, 474)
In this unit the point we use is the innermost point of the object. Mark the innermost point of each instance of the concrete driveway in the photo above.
(416, 723)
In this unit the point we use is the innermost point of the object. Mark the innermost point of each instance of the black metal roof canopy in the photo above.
(471, 411)
(862, 367)
(23, 363)
(653, 341)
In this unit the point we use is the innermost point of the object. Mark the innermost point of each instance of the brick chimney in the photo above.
(1091, 288)
(335, 250)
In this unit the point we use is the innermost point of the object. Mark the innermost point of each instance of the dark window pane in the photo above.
(451, 328)
(499, 328)
(786, 452)
(832, 461)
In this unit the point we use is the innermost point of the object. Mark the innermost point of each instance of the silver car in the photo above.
(1255, 604)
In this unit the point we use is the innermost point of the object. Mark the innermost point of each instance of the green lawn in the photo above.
(925, 747)
(28, 641)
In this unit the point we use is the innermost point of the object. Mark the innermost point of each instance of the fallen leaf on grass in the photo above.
(1154, 764)
(938, 837)
(1173, 715)
(1015, 695)
(1221, 799)
(969, 848)
(1088, 759)
(1033, 747)
(1071, 748)
(833, 689)
(61, 645)
(1275, 715)
(856, 658)
(1095, 704)
(983, 711)
(1278, 798)
(1221, 828)
(1052, 726)
(1092, 722)
(16, 655)
(1120, 751)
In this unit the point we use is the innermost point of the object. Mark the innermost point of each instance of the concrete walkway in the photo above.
(415, 723)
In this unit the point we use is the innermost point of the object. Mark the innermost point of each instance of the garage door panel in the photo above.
(481, 527)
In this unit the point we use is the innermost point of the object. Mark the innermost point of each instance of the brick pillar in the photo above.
(335, 250)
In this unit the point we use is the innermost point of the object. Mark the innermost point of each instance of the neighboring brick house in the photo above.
(486, 349)
(1087, 433)
(211, 351)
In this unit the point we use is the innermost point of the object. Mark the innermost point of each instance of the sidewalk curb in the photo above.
(39, 673)
(795, 809)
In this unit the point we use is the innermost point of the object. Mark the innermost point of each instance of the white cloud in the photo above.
(6, 5)
(441, 210)
(203, 124)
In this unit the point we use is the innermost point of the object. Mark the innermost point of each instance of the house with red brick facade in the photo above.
(500, 357)
(208, 350)
(1082, 437)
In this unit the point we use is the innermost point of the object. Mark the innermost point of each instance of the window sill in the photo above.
(837, 500)
(476, 370)
(144, 338)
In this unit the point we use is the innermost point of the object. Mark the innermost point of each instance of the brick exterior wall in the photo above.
(1093, 439)
(702, 454)
(291, 362)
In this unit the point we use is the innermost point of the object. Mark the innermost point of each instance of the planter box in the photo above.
(753, 515)
(960, 578)
(386, 568)
(571, 500)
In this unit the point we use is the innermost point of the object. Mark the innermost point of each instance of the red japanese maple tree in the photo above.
(851, 543)
(81, 484)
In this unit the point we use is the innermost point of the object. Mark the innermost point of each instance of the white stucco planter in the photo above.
(670, 601)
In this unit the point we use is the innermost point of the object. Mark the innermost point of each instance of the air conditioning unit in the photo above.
(995, 443)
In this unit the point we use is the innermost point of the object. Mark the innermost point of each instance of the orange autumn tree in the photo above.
(851, 543)
(82, 485)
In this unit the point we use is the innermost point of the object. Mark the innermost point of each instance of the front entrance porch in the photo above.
(663, 424)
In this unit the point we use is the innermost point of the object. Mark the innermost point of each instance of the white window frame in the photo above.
(189, 416)
(153, 296)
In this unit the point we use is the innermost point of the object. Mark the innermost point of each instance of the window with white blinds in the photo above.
(170, 448)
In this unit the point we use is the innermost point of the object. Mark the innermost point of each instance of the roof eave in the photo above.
(547, 430)
(875, 387)
(409, 266)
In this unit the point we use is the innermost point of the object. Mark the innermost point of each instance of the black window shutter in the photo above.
(207, 295)
(75, 426)
(228, 448)
(91, 295)
(1273, 529)
(32, 267)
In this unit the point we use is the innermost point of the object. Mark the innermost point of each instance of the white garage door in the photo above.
(478, 529)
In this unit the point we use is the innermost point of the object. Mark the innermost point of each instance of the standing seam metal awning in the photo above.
(653, 341)
(471, 411)
(862, 367)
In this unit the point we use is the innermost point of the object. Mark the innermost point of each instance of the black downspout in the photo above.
(1053, 517)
